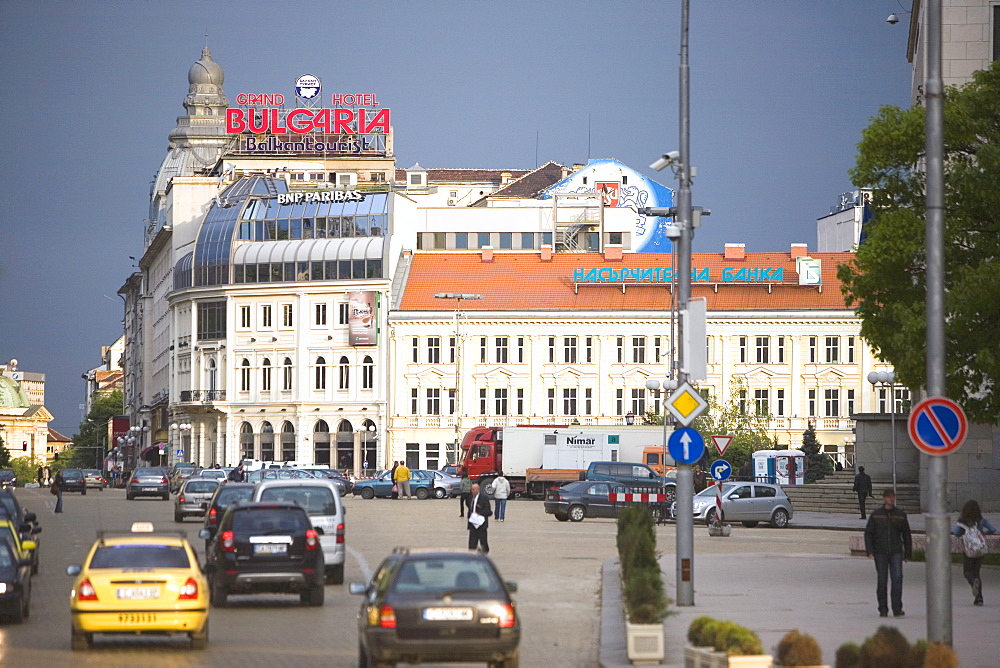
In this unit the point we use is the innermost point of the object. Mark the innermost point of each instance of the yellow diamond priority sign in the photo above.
(685, 404)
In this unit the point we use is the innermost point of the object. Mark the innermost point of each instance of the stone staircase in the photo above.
(833, 494)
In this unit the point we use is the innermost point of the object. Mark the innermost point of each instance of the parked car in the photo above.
(435, 606)
(180, 473)
(344, 486)
(148, 481)
(10, 508)
(632, 474)
(74, 481)
(321, 499)
(746, 502)
(279, 474)
(94, 478)
(218, 474)
(445, 486)
(225, 495)
(8, 478)
(193, 497)
(588, 498)
(421, 485)
(19, 533)
(265, 546)
(140, 582)
(451, 469)
(15, 582)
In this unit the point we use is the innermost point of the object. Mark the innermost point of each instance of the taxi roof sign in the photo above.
(686, 403)
(142, 527)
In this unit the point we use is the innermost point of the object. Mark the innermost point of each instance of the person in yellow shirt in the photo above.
(402, 479)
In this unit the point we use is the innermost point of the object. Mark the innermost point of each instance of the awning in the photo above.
(151, 453)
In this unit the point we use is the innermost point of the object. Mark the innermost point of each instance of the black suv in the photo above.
(226, 494)
(265, 546)
(74, 481)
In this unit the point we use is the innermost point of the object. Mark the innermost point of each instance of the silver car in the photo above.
(445, 486)
(193, 498)
(148, 481)
(746, 502)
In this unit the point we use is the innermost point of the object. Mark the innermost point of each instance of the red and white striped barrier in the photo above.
(637, 498)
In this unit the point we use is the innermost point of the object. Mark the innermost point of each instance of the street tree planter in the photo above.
(644, 643)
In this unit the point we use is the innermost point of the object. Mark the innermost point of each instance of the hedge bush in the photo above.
(642, 584)
(798, 649)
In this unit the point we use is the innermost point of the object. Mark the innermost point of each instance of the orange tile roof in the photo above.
(523, 282)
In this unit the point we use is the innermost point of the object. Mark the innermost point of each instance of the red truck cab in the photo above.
(480, 453)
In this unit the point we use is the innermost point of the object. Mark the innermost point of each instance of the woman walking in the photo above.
(972, 520)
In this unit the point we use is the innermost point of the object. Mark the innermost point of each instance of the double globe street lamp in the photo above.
(887, 379)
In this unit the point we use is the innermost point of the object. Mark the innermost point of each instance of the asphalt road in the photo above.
(557, 567)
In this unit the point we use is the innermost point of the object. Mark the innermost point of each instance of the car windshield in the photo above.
(140, 556)
(442, 575)
(710, 490)
(316, 500)
(147, 471)
(201, 486)
(270, 521)
(233, 494)
(72, 474)
(6, 558)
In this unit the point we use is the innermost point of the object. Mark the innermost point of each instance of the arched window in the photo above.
(287, 442)
(368, 373)
(344, 372)
(345, 445)
(211, 374)
(265, 375)
(286, 374)
(245, 376)
(320, 374)
(267, 442)
(321, 443)
(246, 441)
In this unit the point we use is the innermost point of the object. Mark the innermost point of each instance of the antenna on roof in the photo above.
(588, 137)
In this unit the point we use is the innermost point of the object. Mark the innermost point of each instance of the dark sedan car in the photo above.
(15, 582)
(437, 606)
(590, 498)
(74, 480)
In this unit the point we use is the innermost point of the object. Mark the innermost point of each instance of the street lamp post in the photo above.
(178, 430)
(458, 297)
(887, 379)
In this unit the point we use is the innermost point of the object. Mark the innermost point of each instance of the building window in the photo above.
(813, 343)
(569, 349)
(414, 398)
(638, 401)
(265, 375)
(500, 398)
(779, 396)
(762, 347)
(501, 351)
(850, 403)
(245, 317)
(483, 239)
(433, 456)
(265, 316)
(833, 350)
(620, 345)
(639, 351)
(812, 403)
(550, 396)
(320, 381)
(433, 401)
(657, 349)
(761, 403)
(482, 401)
(520, 402)
(451, 350)
(267, 442)
(367, 373)
(588, 401)
(286, 374)
(742, 343)
(378, 177)
(320, 314)
(741, 399)
(211, 320)
(434, 350)
(569, 401)
(619, 402)
(287, 442)
(552, 350)
(484, 349)
(527, 240)
(344, 373)
(520, 350)
(588, 350)
(831, 401)
(343, 313)
(245, 376)
(452, 407)
(415, 348)
(781, 350)
(506, 241)
(850, 350)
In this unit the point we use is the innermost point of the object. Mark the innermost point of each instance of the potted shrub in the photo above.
(888, 647)
(642, 586)
(798, 649)
(717, 644)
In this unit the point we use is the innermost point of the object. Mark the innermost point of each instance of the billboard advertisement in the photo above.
(362, 325)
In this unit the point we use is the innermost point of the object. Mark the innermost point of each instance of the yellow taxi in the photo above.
(25, 548)
(139, 582)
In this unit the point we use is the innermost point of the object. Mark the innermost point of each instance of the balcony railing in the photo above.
(192, 396)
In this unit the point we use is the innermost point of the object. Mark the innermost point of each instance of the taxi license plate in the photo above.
(138, 593)
(448, 614)
(270, 548)
(136, 617)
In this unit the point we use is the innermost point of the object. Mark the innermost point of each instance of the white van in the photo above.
(321, 499)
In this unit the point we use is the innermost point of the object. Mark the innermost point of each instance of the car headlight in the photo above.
(3, 587)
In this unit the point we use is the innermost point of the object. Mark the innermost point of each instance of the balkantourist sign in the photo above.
(667, 275)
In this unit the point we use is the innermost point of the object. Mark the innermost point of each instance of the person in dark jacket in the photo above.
(972, 516)
(888, 541)
(479, 519)
(863, 486)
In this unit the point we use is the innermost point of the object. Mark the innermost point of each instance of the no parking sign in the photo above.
(937, 426)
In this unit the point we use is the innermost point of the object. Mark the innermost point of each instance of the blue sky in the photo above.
(780, 92)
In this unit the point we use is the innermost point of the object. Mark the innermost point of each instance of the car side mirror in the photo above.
(36, 530)
(510, 586)
(357, 588)
(73, 569)
(205, 534)
(30, 517)
(29, 545)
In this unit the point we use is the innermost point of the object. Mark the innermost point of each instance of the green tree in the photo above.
(886, 283)
(818, 464)
(91, 441)
(4, 454)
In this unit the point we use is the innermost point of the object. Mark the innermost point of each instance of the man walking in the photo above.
(402, 479)
(501, 490)
(863, 486)
(479, 513)
(887, 539)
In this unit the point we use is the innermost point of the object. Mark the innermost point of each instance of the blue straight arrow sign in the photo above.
(686, 446)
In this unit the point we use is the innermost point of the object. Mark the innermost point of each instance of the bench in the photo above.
(857, 543)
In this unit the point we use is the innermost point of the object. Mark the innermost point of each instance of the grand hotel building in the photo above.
(285, 307)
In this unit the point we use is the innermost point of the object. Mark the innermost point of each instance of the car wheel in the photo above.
(439, 493)
(128, 497)
(422, 493)
(199, 639)
(335, 574)
(218, 595)
(84, 493)
(670, 493)
(780, 518)
(577, 513)
(710, 516)
(313, 596)
(80, 641)
(750, 525)
(178, 517)
(367, 493)
(561, 517)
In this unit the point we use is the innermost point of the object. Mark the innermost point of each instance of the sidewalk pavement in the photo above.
(831, 597)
